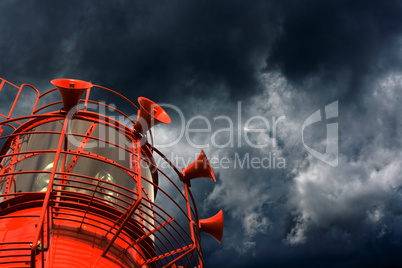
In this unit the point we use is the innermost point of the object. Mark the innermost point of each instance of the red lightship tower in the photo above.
(78, 187)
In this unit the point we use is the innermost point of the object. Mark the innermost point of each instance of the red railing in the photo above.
(171, 237)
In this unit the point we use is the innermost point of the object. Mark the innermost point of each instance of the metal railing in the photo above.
(75, 200)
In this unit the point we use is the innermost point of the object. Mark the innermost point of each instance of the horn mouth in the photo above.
(213, 226)
(155, 110)
(211, 172)
(200, 168)
(71, 91)
(71, 83)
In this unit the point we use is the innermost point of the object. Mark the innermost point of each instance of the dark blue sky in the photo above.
(261, 59)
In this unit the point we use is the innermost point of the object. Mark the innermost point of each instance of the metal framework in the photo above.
(125, 226)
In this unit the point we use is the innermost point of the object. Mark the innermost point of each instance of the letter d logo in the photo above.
(331, 153)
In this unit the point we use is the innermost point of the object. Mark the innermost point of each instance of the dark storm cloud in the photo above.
(346, 42)
(185, 47)
(176, 48)
(192, 47)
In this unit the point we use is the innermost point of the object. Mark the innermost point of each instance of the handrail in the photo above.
(167, 235)
(45, 206)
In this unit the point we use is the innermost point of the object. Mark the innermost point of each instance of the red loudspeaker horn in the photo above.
(150, 115)
(200, 168)
(213, 226)
(71, 91)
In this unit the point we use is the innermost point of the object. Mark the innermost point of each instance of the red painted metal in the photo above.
(213, 226)
(150, 115)
(78, 187)
(71, 91)
(200, 168)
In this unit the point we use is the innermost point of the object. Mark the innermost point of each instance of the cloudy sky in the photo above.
(298, 188)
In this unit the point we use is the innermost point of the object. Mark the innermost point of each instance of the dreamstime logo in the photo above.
(331, 154)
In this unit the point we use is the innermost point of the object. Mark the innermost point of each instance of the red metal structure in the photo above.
(78, 187)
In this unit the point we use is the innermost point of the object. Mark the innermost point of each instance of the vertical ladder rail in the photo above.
(45, 205)
(134, 206)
